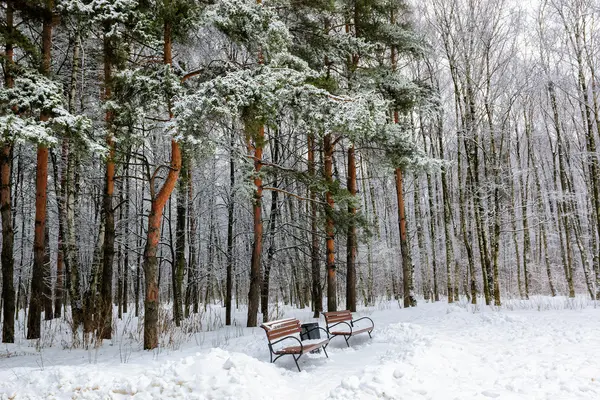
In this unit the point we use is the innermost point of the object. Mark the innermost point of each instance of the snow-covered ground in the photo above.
(541, 349)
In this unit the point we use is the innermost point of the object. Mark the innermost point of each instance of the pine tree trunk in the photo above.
(138, 264)
(230, 222)
(48, 299)
(105, 307)
(316, 293)
(328, 148)
(7, 256)
(351, 237)
(41, 193)
(407, 268)
(264, 295)
(36, 299)
(120, 252)
(178, 266)
(125, 298)
(255, 135)
(193, 276)
(158, 202)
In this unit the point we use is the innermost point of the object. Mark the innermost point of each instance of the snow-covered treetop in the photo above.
(252, 25)
(32, 97)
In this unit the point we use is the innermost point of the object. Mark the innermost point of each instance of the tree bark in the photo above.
(159, 201)
(230, 223)
(41, 193)
(316, 292)
(351, 236)
(48, 298)
(67, 205)
(7, 256)
(178, 266)
(264, 295)
(105, 306)
(328, 148)
(407, 268)
(192, 279)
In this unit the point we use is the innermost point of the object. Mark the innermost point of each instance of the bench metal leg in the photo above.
(370, 334)
(296, 361)
(347, 338)
(325, 350)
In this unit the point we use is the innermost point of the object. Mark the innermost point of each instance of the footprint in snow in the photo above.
(490, 394)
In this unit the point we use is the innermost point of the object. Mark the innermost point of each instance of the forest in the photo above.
(161, 156)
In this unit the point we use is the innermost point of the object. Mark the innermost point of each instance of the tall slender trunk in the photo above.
(105, 308)
(41, 193)
(60, 270)
(423, 254)
(351, 237)
(540, 208)
(120, 244)
(328, 148)
(178, 266)
(139, 243)
(67, 205)
(432, 214)
(7, 256)
(192, 284)
(48, 299)
(158, 202)
(125, 197)
(264, 295)
(564, 220)
(407, 268)
(316, 292)
(524, 190)
(255, 133)
(230, 223)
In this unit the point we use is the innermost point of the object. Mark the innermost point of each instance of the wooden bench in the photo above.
(337, 318)
(285, 329)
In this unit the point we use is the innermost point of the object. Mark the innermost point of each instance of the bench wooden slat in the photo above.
(300, 350)
(337, 316)
(276, 334)
(333, 320)
(279, 323)
(282, 326)
(336, 313)
(354, 332)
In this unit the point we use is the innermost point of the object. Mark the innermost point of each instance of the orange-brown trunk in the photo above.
(255, 276)
(151, 303)
(104, 327)
(41, 186)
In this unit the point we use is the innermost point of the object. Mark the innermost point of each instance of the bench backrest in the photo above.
(281, 328)
(337, 316)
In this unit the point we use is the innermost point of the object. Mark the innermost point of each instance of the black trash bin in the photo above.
(310, 331)
(313, 327)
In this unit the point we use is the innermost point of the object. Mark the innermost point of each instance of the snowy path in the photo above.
(431, 352)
